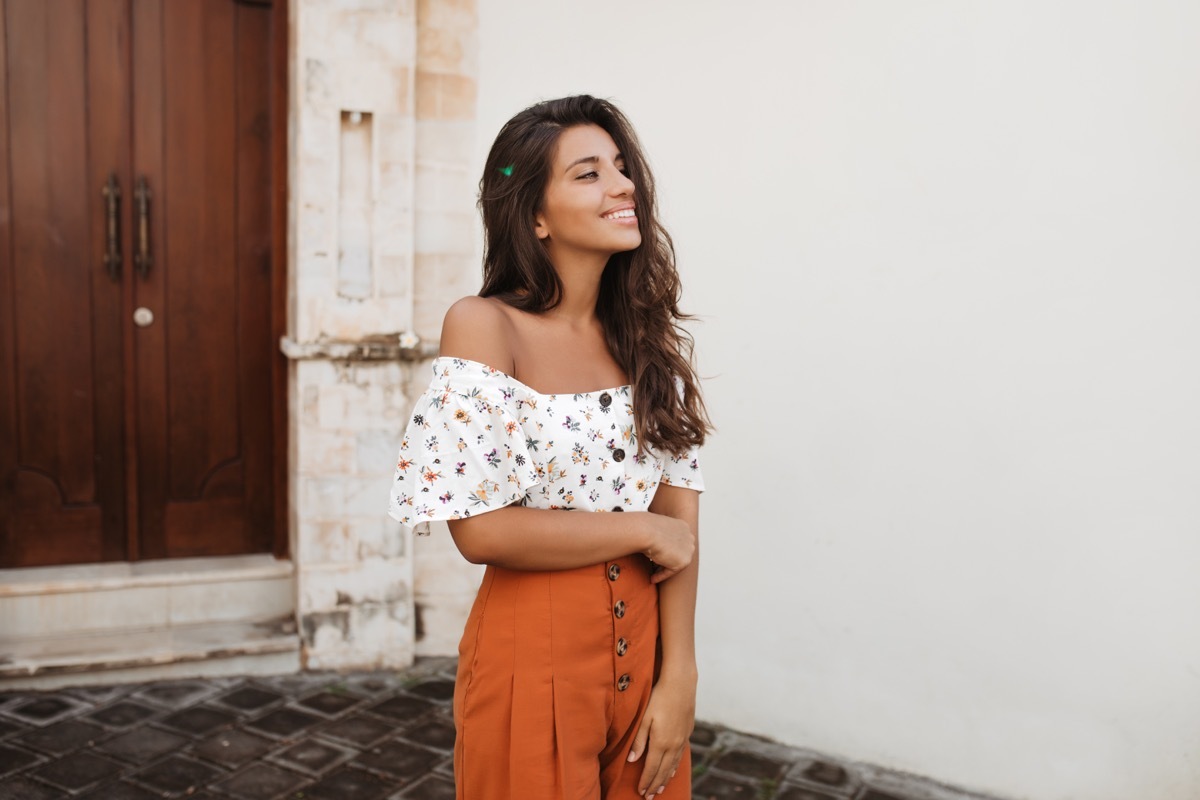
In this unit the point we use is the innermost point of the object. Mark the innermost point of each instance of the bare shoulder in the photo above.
(478, 329)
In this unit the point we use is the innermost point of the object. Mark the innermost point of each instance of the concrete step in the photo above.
(260, 647)
(93, 598)
(107, 623)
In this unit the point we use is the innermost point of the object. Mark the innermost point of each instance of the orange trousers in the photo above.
(554, 673)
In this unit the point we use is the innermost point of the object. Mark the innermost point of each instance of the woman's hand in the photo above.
(672, 546)
(666, 727)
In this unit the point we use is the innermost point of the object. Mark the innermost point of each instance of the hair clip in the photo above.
(506, 171)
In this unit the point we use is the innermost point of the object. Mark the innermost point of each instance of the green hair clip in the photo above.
(507, 171)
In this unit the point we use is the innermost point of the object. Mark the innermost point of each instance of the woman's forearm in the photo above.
(677, 594)
(546, 539)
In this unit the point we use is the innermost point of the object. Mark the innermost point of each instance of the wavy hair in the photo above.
(638, 305)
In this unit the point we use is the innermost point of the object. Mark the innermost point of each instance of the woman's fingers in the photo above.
(661, 574)
(639, 740)
(668, 765)
(654, 774)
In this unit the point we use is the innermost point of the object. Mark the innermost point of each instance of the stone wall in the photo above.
(382, 236)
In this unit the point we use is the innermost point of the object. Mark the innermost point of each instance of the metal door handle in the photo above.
(141, 196)
(112, 227)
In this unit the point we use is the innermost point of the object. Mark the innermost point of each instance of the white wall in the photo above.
(947, 254)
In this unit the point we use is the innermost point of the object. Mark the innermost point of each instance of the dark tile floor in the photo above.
(325, 736)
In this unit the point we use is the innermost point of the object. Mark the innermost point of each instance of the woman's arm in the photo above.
(542, 539)
(671, 714)
(677, 596)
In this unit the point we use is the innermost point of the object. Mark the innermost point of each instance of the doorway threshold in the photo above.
(106, 623)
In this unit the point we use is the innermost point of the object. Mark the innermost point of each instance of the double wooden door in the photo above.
(139, 274)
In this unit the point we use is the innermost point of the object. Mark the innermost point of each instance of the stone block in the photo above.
(442, 621)
(378, 86)
(320, 587)
(344, 407)
(396, 140)
(442, 187)
(321, 499)
(345, 319)
(750, 765)
(319, 79)
(325, 630)
(314, 273)
(440, 569)
(396, 231)
(316, 234)
(445, 232)
(445, 96)
(394, 280)
(316, 139)
(309, 399)
(438, 281)
(441, 142)
(375, 641)
(325, 542)
(447, 13)
(325, 451)
(395, 188)
(448, 49)
(376, 451)
(306, 313)
(367, 496)
(385, 34)
(379, 537)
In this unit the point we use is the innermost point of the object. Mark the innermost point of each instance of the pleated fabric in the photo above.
(539, 708)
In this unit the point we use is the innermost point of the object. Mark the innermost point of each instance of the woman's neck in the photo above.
(580, 280)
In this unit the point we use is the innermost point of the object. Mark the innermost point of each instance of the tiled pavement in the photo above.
(324, 736)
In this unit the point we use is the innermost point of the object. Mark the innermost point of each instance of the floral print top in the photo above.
(479, 440)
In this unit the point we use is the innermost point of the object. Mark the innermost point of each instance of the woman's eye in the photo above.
(590, 174)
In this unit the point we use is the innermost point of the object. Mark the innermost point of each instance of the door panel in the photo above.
(61, 377)
(204, 383)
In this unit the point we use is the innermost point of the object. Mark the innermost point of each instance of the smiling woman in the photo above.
(578, 658)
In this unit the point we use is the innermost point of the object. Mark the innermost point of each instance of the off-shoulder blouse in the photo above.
(479, 439)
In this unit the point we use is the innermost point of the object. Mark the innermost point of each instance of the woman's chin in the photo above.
(628, 243)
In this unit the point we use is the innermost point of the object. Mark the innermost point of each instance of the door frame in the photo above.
(280, 159)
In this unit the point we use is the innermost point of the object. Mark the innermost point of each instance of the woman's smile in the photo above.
(623, 214)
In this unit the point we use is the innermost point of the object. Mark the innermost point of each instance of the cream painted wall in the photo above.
(948, 261)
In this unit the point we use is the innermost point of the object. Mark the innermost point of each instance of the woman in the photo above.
(578, 661)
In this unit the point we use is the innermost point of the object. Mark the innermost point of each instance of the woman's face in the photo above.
(588, 205)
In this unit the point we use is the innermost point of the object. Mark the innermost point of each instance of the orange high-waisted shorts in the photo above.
(554, 673)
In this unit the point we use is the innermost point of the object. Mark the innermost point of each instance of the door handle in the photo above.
(141, 197)
(112, 227)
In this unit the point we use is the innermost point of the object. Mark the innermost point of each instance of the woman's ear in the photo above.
(539, 227)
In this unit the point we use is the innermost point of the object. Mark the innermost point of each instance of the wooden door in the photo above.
(123, 440)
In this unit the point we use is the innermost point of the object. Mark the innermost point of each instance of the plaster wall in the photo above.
(946, 261)
(382, 102)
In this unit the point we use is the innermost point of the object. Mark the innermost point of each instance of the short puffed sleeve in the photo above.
(683, 470)
(464, 451)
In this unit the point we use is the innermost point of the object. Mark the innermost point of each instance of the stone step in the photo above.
(261, 647)
(96, 598)
(109, 623)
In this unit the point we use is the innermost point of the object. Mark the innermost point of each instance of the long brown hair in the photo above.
(639, 289)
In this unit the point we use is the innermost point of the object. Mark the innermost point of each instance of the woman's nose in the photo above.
(622, 184)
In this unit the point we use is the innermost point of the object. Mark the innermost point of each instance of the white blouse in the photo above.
(479, 440)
